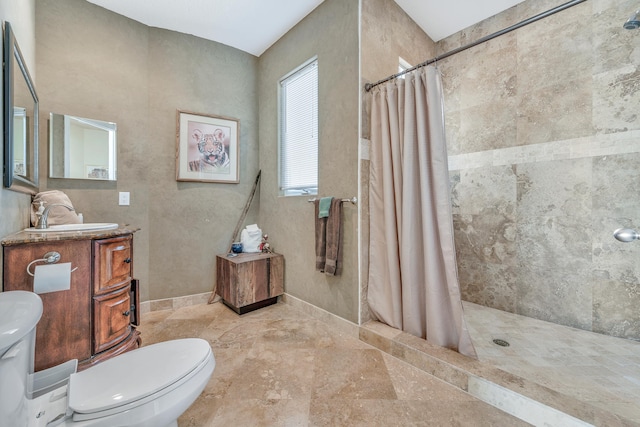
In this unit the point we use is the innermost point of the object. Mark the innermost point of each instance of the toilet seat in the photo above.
(136, 377)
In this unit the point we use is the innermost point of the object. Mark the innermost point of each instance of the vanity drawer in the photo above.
(112, 314)
(113, 259)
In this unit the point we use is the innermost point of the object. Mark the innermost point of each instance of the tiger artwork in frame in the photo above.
(207, 148)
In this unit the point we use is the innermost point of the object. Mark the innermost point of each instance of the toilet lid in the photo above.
(135, 375)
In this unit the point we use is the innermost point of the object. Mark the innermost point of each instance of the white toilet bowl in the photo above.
(151, 386)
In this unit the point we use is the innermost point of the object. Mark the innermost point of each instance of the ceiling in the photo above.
(254, 25)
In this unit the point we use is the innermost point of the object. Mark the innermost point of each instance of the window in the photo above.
(402, 66)
(298, 147)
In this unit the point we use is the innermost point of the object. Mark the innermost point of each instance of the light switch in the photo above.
(123, 198)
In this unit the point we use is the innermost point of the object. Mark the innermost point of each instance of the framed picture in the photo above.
(207, 148)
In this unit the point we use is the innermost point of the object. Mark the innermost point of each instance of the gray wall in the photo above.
(544, 145)
(331, 33)
(191, 222)
(14, 207)
(100, 65)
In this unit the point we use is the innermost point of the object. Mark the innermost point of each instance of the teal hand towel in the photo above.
(325, 205)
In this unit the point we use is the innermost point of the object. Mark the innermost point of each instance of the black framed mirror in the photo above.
(20, 120)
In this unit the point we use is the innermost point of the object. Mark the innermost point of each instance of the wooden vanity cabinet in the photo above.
(92, 321)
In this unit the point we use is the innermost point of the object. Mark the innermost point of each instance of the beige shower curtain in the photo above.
(413, 279)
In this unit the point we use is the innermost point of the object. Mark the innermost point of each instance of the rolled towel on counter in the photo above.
(57, 216)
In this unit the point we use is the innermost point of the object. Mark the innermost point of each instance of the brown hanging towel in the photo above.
(321, 238)
(329, 239)
(333, 265)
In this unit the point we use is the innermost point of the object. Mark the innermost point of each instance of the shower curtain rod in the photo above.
(369, 86)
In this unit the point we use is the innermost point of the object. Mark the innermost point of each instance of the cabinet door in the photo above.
(64, 330)
(251, 282)
(113, 261)
(112, 319)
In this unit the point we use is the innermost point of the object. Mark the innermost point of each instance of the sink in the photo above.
(91, 226)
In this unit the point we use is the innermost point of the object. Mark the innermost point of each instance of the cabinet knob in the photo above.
(127, 260)
(126, 313)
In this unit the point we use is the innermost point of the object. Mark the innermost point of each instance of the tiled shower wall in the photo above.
(544, 157)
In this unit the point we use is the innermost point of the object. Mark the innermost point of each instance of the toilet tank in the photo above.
(20, 312)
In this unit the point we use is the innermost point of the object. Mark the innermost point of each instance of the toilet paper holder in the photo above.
(49, 258)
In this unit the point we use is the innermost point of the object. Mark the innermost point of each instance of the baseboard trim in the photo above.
(173, 303)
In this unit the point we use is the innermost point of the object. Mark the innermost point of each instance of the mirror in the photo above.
(20, 120)
(81, 148)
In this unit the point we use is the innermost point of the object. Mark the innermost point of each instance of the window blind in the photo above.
(299, 131)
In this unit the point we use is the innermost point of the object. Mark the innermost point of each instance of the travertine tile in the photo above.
(613, 45)
(261, 413)
(615, 99)
(414, 384)
(567, 85)
(270, 375)
(488, 126)
(280, 366)
(351, 374)
(556, 188)
(375, 412)
(614, 178)
(229, 367)
(539, 66)
(163, 304)
(598, 370)
(570, 114)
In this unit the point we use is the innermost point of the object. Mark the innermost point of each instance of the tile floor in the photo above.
(603, 371)
(281, 367)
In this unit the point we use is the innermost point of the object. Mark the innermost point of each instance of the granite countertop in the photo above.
(23, 237)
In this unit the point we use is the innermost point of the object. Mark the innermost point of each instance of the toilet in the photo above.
(147, 387)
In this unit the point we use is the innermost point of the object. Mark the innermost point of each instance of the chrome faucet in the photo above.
(42, 218)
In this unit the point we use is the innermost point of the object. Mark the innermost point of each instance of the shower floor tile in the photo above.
(602, 370)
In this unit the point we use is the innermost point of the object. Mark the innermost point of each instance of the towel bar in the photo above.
(353, 200)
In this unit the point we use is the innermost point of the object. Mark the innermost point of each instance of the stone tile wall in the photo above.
(544, 143)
